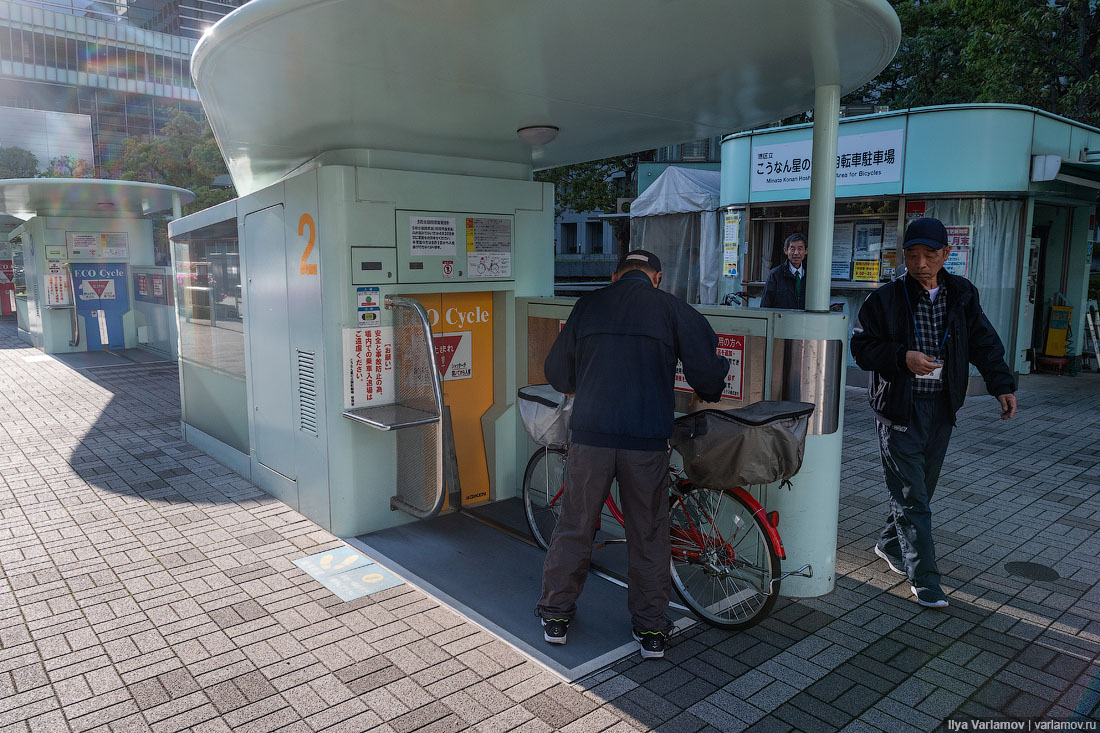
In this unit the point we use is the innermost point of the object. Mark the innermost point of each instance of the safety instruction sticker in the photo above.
(98, 245)
(732, 347)
(368, 306)
(454, 354)
(433, 236)
(368, 366)
(58, 291)
(489, 264)
(488, 247)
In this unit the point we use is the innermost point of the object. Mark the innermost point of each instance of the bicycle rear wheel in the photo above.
(723, 560)
(543, 482)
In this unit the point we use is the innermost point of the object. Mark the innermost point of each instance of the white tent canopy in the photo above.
(676, 218)
(679, 191)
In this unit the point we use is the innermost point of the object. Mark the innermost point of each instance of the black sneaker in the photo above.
(554, 630)
(652, 643)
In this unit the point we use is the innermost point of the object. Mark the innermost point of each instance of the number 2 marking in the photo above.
(307, 268)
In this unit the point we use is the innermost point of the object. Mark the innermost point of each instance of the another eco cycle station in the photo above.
(383, 156)
(7, 275)
(83, 267)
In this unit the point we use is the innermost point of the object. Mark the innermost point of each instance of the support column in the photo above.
(177, 209)
(822, 196)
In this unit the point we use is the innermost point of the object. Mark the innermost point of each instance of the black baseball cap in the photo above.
(639, 258)
(929, 232)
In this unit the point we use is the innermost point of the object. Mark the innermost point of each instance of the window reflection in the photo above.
(207, 270)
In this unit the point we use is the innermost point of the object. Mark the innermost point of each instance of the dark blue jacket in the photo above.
(781, 290)
(883, 332)
(618, 352)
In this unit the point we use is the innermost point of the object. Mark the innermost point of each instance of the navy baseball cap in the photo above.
(639, 258)
(929, 232)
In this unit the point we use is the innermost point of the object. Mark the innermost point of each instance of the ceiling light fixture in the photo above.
(537, 134)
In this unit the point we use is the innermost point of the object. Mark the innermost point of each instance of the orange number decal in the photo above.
(307, 268)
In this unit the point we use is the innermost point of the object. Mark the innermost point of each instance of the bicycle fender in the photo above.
(758, 510)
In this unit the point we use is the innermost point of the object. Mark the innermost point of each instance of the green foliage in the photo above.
(1094, 287)
(1042, 53)
(68, 166)
(183, 154)
(17, 163)
(591, 186)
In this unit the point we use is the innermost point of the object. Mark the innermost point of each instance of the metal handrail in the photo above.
(397, 502)
(74, 321)
(412, 417)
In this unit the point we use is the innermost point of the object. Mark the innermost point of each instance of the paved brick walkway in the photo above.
(144, 586)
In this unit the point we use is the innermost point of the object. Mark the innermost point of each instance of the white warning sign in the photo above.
(368, 366)
(732, 347)
(432, 236)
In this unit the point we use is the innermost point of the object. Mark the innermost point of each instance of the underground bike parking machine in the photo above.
(372, 288)
(85, 272)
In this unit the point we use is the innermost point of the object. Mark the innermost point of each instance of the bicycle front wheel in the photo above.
(723, 560)
(543, 484)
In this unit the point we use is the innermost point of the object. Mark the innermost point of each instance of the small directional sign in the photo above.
(348, 573)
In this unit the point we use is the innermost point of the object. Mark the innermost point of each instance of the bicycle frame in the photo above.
(694, 536)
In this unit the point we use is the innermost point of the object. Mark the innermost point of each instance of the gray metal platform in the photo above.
(494, 580)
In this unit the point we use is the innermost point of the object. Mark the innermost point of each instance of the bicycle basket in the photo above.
(757, 444)
(545, 413)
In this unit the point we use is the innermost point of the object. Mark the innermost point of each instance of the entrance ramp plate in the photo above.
(495, 581)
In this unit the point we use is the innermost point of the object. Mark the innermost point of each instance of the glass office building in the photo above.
(128, 80)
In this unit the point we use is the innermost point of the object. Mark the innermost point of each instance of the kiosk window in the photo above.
(19, 274)
(206, 265)
(863, 231)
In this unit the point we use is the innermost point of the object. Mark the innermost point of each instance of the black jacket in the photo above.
(883, 332)
(781, 289)
(618, 352)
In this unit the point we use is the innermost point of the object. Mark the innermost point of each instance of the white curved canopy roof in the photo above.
(7, 223)
(26, 198)
(283, 81)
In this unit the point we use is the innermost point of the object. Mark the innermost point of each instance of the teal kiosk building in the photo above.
(386, 196)
(1015, 186)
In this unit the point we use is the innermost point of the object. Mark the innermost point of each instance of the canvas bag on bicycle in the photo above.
(758, 444)
(545, 413)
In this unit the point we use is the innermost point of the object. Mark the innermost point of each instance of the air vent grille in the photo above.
(307, 392)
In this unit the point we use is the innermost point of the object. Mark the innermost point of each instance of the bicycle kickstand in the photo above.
(806, 571)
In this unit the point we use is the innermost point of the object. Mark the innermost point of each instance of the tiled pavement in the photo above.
(144, 586)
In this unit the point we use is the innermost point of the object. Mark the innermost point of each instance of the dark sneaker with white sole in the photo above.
(554, 630)
(930, 597)
(894, 561)
(652, 643)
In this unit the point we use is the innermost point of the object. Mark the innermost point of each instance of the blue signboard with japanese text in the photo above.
(102, 292)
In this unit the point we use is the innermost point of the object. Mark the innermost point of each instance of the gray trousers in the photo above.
(912, 461)
(643, 491)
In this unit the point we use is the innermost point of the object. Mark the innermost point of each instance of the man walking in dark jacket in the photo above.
(617, 353)
(917, 335)
(786, 286)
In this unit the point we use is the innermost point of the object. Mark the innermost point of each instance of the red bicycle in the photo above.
(726, 552)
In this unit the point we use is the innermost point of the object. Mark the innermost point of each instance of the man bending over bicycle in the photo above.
(617, 353)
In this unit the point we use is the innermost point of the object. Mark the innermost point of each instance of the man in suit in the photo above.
(786, 286)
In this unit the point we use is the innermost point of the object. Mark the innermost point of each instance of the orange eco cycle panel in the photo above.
(462, 329)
